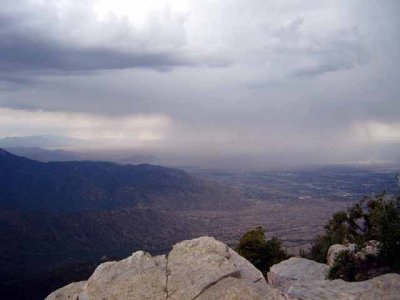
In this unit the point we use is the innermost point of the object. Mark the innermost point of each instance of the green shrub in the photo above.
(345, 267)
(260, 252)
(383, 224)
(375, 218)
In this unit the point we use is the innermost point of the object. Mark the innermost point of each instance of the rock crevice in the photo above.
(166, 277)
(234, 274)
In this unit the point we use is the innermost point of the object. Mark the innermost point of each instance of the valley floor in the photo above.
(296, 223)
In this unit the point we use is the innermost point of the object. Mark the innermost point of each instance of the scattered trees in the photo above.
(372, 218)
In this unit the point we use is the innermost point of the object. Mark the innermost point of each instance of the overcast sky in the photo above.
(305, 79)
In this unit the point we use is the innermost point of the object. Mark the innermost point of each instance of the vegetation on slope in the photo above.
(260, 252)
(374, 218)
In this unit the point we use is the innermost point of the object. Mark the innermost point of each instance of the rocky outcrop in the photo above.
(199, 269)
(370, 248)
(294, 269)
(300, 278)
(205, 269)
(334, 251)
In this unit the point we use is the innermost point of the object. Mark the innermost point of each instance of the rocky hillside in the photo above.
(204, 268)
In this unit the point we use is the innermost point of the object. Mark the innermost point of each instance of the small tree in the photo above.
(383, 224)
(260, 252)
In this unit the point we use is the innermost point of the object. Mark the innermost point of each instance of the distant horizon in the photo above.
(88, 150)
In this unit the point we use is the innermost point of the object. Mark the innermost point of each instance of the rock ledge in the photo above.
(301, 278)
(202, 268)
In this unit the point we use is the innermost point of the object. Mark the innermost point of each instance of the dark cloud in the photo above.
(26, 54)
(26, 50)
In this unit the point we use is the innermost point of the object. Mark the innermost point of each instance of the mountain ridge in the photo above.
(89, 185)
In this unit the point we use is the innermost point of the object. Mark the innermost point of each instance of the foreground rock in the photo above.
(204, 268)
(301, 278)
(200, 269)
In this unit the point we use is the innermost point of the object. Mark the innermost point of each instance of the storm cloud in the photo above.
(315, 80)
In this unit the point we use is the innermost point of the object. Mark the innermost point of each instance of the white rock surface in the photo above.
(295, 269)
(205, 269)
(300, 278)
(70, 291)
(202, 269)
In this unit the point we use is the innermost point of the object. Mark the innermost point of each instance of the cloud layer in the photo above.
(244, 78)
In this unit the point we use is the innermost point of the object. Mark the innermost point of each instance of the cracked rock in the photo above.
(200, 269)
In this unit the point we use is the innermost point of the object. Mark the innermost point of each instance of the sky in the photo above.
(314, 81)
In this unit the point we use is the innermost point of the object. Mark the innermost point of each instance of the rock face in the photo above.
(205, 269)
(200, 269)
(294, 269)
(300, 278)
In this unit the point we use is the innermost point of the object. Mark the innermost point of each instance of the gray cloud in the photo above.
(260, 78)
(26, 54)
(33, 39)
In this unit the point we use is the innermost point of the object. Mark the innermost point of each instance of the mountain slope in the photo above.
(40, 251)
(44, 155)
(85, 185)
(57, 219)
(44, 141)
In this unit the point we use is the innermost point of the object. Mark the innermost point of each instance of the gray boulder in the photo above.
(294, 269)
(300, 278)
(201, 269)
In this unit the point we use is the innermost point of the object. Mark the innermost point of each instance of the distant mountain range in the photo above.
(41, 141)
(60, 217)
(44, 155)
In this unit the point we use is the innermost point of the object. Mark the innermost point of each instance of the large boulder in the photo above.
(294, 269)
(300, 278)
(200, 269)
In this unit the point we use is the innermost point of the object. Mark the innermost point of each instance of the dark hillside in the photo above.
(37, 245)
(28, 185)
(57, 219)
